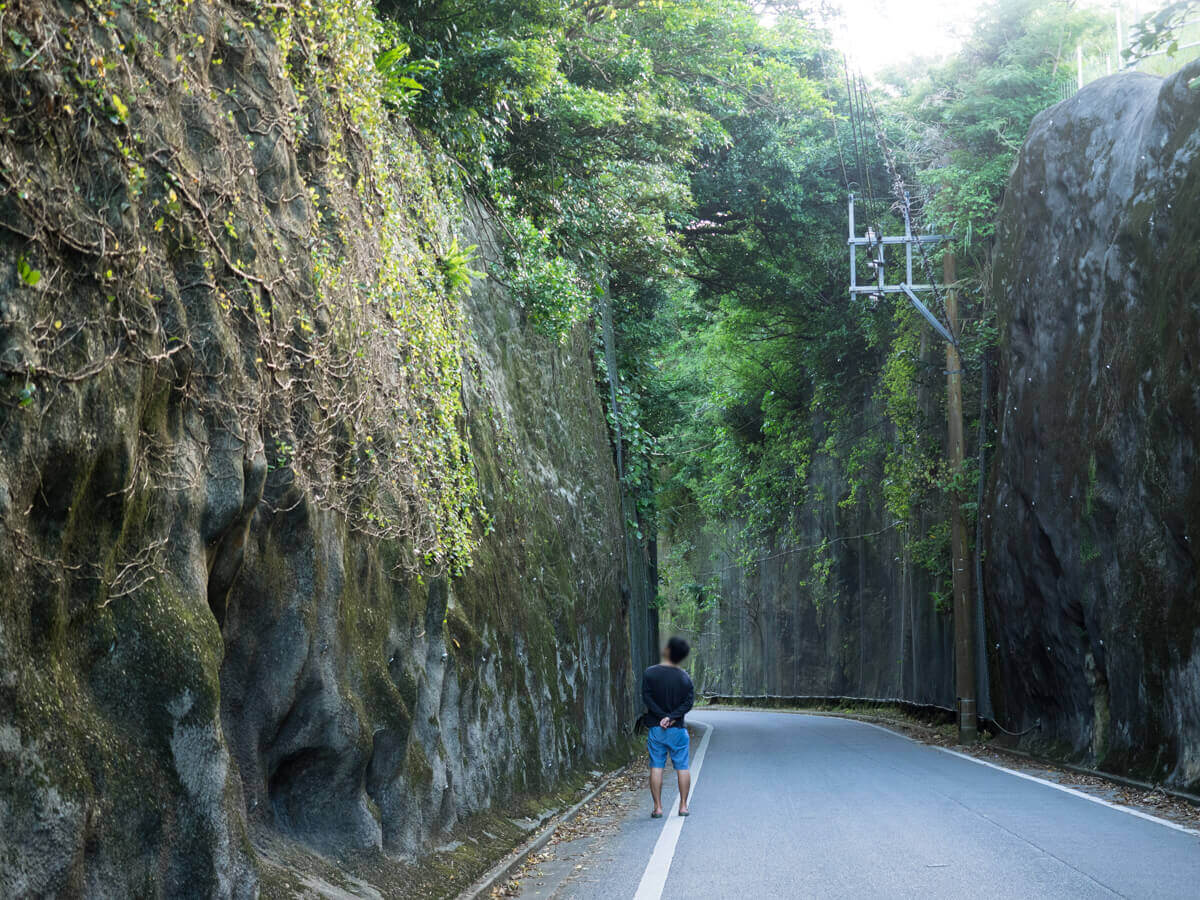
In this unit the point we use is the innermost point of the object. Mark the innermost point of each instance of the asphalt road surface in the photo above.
(801, 806)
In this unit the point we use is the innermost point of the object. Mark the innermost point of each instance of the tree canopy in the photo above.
(687, 163)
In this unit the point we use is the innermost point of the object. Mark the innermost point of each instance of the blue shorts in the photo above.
(661, 741)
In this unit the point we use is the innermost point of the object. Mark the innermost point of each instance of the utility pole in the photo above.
(875, 244)
(964, 610)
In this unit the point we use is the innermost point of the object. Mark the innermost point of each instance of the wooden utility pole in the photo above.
(876, 244)
(964, 611)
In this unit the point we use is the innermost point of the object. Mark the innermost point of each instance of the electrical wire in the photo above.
(833, 121)
(901, 193)
(1034, 727)
(853, 124)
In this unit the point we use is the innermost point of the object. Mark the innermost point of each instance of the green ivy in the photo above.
(356, 67)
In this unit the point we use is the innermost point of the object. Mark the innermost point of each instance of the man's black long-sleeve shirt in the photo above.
(667, 691)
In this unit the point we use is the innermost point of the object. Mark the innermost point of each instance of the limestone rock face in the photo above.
(871, 628)
(1091, 567)
(205, 663)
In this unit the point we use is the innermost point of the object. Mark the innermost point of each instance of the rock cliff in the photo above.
(253, 426)
(842, 611)
(1091, 567)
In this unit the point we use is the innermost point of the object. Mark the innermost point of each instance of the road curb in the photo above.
(516, 858)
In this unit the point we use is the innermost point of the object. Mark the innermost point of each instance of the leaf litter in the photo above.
(600, 816)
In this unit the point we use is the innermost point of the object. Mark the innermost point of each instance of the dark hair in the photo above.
(677, 649)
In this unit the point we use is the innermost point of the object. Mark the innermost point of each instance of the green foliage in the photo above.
(609, 138)
(1159, 30)
(958, 126)
(119, 109)
(455, 264)
(27, 273)
(932, 553)
(408, 471)
(551, 288)
(773, 386)
(686, 163)
(733, 394)
(400, 87)
(963, 121)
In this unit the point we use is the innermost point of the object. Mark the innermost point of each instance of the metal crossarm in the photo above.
(875, 245)
(889, 288)
(929, 317)
(915, 239)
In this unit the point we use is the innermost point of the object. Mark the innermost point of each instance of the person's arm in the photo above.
(683, 708)
(648, 698)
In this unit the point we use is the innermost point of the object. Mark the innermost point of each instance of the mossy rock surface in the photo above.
(206, 645)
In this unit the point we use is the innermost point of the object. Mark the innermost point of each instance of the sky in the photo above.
(879, 33)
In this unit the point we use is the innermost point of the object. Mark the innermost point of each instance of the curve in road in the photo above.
(815, 806)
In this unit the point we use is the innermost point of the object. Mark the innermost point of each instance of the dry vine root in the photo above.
(208, 258)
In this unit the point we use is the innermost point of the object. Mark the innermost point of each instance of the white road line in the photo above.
(654, 879)
(1073, 791)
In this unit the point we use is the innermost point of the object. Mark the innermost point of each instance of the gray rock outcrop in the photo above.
(1091, 567)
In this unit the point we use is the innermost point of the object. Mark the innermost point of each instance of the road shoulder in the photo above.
(603, 853)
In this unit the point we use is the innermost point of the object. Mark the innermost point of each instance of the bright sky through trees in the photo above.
(880, 33)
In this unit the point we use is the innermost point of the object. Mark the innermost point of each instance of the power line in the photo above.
(853, 125)
(900, 191)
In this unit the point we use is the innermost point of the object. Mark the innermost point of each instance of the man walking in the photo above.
(668, 693)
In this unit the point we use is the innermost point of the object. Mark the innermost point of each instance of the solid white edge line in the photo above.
(1077, 793)
(654, 879)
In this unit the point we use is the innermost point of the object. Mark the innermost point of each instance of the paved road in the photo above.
(808, 806)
